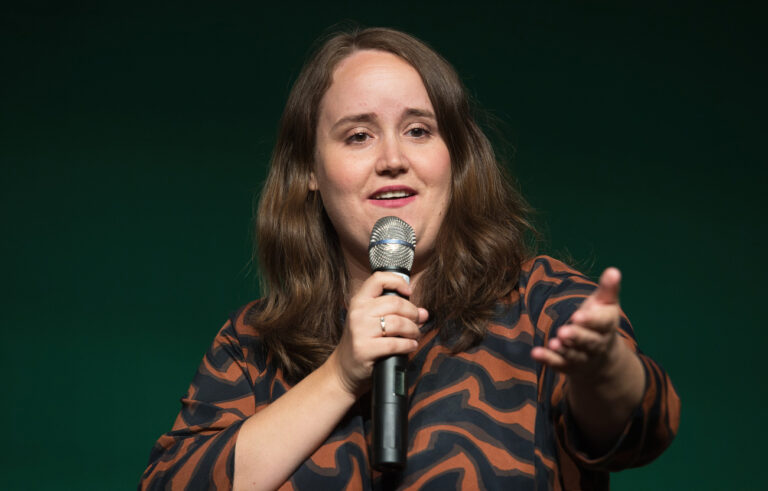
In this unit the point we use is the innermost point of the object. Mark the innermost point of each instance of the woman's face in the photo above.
(379, 152)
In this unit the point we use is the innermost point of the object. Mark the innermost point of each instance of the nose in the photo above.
(391, 159)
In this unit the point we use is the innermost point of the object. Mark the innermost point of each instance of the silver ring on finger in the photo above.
(383, 324)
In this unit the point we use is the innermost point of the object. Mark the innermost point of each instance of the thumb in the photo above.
(608, 288)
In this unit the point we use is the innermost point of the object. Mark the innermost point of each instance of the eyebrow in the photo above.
(420, 113)
(355, 118)
(368, 117)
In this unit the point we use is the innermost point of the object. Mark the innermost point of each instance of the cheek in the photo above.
(338, 173)
(338, 184)
(441, 172)
(345, 183)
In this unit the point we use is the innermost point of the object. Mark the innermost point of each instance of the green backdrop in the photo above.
(133, 139)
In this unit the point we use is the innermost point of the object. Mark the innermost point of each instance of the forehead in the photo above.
(372, 80)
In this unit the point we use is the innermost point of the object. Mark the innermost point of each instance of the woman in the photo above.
(523, 374)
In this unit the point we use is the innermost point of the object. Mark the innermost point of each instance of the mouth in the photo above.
(392, 193)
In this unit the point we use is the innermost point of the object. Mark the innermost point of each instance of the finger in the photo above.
(392, 304)
(423, 316)
(602, 318)
(396, 326)
(574, 356)
(548, 357)
(570, 355)
(608, 287)
(556, 345)
(580, 338)
(392, 346)
(379, 281)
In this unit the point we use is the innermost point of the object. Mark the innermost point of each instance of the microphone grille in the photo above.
(392, 245)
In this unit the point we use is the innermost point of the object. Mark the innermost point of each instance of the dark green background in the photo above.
(132, 140)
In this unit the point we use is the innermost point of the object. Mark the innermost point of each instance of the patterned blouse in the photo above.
(487, 418)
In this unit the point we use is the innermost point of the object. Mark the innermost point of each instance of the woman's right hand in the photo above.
(364, 340)
(275, 440)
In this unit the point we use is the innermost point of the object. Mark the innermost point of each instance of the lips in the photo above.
(392, 193)
(392, 196)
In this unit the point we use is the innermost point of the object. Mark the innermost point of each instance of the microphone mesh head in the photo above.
(392, 245)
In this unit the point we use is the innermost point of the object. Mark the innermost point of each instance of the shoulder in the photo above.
(546, 282)
(238, 338)
(545, 272)
(240, 321)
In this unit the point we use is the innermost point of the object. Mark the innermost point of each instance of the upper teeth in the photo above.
(392, 194)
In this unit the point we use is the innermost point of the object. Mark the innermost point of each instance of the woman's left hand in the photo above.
(605, 376)
(587, 344)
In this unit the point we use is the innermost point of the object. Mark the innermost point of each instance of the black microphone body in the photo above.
(390, 412)
(391, 249)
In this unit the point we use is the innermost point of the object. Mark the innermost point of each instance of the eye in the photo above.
(418, 132)
(358, 137)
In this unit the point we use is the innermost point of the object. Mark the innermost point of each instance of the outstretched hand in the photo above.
(586, 345)
(606, 377)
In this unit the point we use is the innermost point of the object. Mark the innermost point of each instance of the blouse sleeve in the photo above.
(655, 421)
(198, 452)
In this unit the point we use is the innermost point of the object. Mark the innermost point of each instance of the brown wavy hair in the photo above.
(478, 251)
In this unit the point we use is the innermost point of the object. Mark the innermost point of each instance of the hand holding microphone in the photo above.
(391, 249)
(364, 341)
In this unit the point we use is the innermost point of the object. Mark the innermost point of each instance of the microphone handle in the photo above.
(389, 408)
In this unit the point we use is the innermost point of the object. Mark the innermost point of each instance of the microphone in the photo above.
(391, 249)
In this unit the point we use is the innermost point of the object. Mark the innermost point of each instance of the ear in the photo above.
(312, 182)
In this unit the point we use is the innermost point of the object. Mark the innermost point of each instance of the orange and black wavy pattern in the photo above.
(488, 418)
